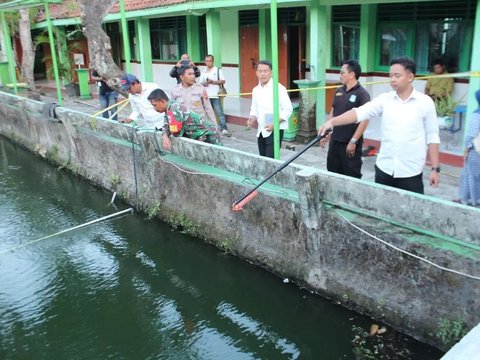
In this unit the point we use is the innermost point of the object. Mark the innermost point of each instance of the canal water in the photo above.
(131, 288)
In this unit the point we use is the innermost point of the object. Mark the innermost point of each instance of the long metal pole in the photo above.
(53, 51)
(108, 217)
(11, 60)
(238, 204)
(274, 36)
(126, 42)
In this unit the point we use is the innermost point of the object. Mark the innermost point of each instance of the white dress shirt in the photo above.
(142, 109)
(214, 74)
(407, 127)
(262, 104)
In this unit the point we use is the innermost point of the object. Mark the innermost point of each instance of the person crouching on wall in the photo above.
(180, 121)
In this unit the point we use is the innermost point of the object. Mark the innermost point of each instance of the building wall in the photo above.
(162, 78)
(230, 57)
(230, 37)
(160, 75)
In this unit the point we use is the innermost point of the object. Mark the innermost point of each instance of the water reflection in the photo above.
(261, 332)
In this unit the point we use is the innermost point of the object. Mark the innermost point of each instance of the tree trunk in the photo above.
(18, 66)
(92, 14)
(28, 51)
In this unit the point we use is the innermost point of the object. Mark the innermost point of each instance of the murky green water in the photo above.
(133, 289)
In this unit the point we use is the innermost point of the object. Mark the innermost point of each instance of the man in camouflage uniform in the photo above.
(180, 121)
(192, 95)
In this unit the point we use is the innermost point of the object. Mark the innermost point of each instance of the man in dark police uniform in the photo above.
(345, 149)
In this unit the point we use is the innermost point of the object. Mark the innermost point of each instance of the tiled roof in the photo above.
(67, 9)
(131, 5)
(71, 9)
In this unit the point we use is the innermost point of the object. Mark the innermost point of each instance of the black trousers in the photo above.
(338, 161)
(265, 145)
(414, 183)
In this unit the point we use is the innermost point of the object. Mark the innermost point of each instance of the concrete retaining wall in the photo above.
(308, 225)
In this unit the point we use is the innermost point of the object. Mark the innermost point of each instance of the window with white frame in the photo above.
(426, 31)
(168, 38)
(345, 33)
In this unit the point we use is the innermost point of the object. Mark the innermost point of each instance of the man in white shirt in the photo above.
(211, 79)
(409, 130)
(262, 109)
(142, 110)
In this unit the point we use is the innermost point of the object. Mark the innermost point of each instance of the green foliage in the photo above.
(72, 6)
(450, 332)
(52, 153)
(66, 64)
(12, 18)
(225, 245)
(66, 70)
(74, 34)
(445, 106)
(115, 180)
(153, 211)
(76, 169)
(181, 223)
(41, 39)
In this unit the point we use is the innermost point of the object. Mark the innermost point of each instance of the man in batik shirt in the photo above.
(179, 121)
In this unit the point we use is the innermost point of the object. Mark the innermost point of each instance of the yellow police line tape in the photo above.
(120, 105)
(111, 107)
(462, 74)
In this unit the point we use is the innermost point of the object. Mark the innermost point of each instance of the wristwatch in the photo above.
(353, 140)
(437, 169)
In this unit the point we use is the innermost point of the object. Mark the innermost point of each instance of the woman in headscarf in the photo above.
(470, 177)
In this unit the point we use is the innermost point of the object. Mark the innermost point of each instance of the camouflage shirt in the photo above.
(180, 121)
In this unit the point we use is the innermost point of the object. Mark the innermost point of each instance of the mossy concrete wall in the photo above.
(314, 227)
